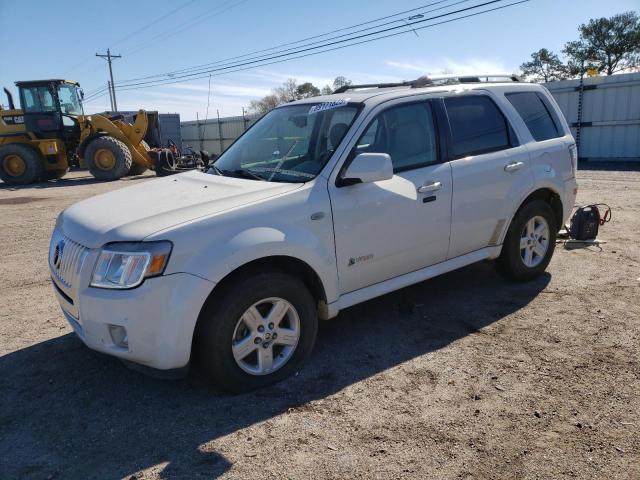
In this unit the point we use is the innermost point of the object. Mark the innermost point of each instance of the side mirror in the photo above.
(367, 168)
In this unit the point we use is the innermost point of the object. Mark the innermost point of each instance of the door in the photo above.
(490, 172)
(41, 113)
(392, 227)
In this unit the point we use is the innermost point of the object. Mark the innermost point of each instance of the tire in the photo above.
(220, 326)
(108, 158)
(54, 174)
(525, 253)
(139, 168)
(20, 164)
(166, 164)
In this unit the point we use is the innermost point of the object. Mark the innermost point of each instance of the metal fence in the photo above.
(604, 115)
(215, 135)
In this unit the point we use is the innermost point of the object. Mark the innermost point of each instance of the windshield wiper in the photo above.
(243, 173)
(217, 170)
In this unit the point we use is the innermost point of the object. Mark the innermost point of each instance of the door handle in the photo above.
(430, 187)
(513, 166)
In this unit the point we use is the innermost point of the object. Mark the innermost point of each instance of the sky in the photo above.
(43, 39)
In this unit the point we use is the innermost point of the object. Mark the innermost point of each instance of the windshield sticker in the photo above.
(321, 107)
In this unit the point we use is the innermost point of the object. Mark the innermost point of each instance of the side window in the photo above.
(406, 132)
(535, 114)
(477, 125)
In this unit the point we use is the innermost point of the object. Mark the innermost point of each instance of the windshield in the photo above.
(69, 101)
(289, 144)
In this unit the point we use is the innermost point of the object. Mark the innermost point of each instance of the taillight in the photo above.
(573, 153)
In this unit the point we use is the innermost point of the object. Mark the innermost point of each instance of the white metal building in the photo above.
(610, 124)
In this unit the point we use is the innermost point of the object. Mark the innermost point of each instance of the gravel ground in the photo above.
(463, 376)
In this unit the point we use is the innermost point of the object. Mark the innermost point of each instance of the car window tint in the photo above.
(477, 126)
(406, 132)
(535, 114)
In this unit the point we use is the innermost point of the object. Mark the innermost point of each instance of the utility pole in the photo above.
(110, 94)
(220, 131)
(108, 56)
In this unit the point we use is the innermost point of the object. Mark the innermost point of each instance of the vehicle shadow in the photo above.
(71, 413)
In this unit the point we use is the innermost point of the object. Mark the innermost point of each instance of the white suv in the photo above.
(322, 204)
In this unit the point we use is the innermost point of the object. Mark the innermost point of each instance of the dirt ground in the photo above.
(462, 376)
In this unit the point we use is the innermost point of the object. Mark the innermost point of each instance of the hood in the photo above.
(133, 213)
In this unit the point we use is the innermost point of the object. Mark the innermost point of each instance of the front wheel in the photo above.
(529, 243)
(108, 158)
(256, 332)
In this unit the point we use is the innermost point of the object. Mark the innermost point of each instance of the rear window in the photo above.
(536, 115)
(477, 125)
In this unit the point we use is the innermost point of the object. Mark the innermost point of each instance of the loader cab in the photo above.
(51, 108)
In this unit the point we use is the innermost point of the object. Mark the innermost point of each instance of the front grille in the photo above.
(65, 258)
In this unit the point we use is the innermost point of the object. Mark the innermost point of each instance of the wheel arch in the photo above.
(283, 263)
(546, 194)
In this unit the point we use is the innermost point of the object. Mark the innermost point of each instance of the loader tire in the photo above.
(20, 164)
(108, 158)
(139, 168)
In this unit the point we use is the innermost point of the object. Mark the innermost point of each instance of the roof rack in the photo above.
(426, 81)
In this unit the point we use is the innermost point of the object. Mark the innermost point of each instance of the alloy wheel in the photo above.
(534, 241)
(265, 336)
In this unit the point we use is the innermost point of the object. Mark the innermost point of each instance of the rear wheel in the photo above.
(256, 332)
(108, 158)
(530, 242)
(20, 164)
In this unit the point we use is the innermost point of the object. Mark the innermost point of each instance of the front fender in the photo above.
(262, 242)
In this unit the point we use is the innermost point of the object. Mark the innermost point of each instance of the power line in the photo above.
(153, 23)
(198, 67)
(410, 30)
(181, 28)
(328, 44)
(133, 33)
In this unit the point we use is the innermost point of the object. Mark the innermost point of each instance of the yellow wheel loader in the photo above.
(38, 141)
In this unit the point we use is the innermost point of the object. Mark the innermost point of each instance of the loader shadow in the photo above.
(86, 179)
(67, 412)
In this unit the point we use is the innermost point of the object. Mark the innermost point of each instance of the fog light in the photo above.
(119, 336)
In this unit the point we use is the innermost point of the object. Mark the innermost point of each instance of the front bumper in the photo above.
(159, 316)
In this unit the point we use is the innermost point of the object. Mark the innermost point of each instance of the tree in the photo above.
(326, 90)
(609, 44)
(341, 81)
(307, 90)
(290, 91)
(265, 104)
(544, 66)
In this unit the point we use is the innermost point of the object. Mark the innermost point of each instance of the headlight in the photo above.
(126, 265)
